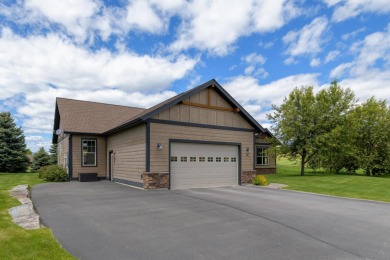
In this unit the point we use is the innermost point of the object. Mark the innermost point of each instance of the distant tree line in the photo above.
(331, 130)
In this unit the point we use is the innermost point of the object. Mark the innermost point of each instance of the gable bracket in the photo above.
(187, 103)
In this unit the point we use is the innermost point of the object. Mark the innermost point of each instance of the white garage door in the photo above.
(203, 165)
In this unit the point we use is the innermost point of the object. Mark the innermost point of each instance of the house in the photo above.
(199, 138)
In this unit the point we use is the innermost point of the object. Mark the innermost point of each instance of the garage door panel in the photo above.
(222, 170)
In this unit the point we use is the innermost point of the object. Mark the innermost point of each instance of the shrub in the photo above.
(53, 173)
(260, 180)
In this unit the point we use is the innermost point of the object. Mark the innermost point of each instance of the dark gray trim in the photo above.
(205, 142)
(201, 141)
(124, 126)
(70, 156)
(261, 146)
(56, 124)
(81, 133)
(168, 122)
(254, 151)
(132, 183)
(110, 164)
(147, 161)
(81, 152)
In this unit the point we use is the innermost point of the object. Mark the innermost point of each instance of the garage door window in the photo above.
(174, 159)
(233, 159)
(183, 159)
(225, 159)
(210, 159)
(218, 159)
(202, 159)
(262, 155)
(192, 159)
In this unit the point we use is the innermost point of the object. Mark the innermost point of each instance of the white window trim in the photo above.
(263, 147)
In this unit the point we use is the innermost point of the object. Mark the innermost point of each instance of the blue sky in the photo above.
(141, 52)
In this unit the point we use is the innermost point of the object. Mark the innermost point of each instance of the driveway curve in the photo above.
(105, 220)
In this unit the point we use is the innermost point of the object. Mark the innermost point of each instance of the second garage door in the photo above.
(203, 165)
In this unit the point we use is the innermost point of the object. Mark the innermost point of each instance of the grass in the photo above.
(17, 242)
(343, 185)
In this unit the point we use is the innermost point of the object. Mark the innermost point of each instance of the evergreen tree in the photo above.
(41, 158)
(53, 154)
(13, 156)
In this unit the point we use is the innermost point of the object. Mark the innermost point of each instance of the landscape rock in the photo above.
(24, 215)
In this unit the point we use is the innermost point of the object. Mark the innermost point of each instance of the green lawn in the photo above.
(16, 242)
(353, 186)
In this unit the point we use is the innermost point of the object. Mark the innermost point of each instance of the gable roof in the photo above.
(79, 116)
(150, 112)
(97, 118)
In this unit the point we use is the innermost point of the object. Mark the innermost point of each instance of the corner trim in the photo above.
(70, 157)
(147, 161)
(168, 122)
(132, 183)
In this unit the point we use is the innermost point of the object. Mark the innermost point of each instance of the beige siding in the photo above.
(199, 115)
(129, 147)
(101, 167)
(161, 133)
(264, 140)
(63, 151)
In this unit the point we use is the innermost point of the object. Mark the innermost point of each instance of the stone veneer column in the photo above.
(247, 176)
(156, 180)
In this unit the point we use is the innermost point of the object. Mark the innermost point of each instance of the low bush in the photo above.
(260, 180)
(54, 173)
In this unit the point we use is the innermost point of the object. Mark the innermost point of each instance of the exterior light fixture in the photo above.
(159, 146)
(248, 150)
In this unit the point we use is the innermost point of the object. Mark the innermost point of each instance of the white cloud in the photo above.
(254, 62)
(340, 70)
(214, 26)
(352, 34)
(346, 9)
(257, 98)
(34, 142)
(44, 67)
(315, 62)
(367, 74)
(309, 40)
(331, 56)
(141, 15)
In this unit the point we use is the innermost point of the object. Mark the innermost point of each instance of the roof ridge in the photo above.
(87, 101)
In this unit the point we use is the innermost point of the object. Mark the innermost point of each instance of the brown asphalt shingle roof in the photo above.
(91, 117)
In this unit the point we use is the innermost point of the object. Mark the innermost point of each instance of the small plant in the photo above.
(54, 173)
(260, 180)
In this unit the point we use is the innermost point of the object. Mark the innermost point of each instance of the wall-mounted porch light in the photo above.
(248, 150)
(159, 146)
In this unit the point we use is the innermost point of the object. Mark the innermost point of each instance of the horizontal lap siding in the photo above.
(161, 133)
(63, 151)
(101, 167)
(129, 147)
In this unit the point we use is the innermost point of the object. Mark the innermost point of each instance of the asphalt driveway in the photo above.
(104, 220)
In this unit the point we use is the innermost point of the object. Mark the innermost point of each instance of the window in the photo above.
(218, 159)
(192, 159)
(183, 159)
(210, 159)
(88, 152)
(225, 159)
(233, 159)
(173, 158)
(262, 156)
(202, 159)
